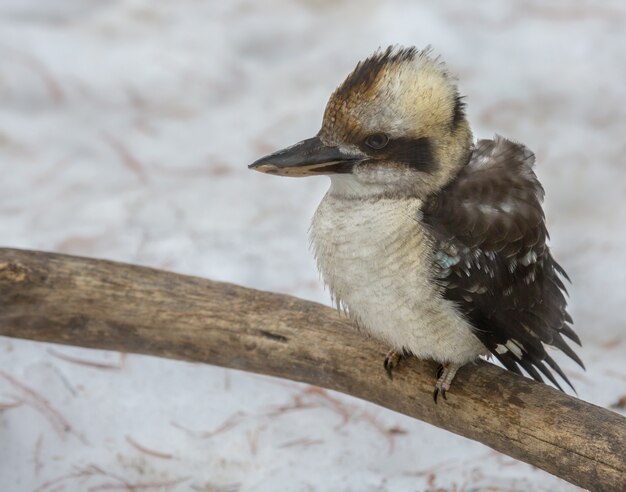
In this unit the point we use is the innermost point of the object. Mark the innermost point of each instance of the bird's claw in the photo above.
(392, 360)
(445, 375)
(439, 390)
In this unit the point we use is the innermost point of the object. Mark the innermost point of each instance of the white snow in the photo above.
(125, 131)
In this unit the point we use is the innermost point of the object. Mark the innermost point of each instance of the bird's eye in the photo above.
(377, 141)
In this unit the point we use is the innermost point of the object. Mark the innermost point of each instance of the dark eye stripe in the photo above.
(417, 153)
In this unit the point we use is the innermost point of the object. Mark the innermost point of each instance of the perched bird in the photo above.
(430, 242)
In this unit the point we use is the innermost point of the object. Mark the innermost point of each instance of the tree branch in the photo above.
(107, 305)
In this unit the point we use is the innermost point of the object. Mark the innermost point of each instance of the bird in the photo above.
(429, 241)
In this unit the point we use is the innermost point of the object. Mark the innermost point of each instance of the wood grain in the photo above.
(107, 305)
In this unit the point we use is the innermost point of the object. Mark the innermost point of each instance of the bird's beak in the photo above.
(307, 158)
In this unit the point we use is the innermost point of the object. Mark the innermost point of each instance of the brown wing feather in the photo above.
(494, 263)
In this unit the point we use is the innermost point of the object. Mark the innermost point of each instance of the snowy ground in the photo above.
(125, 131)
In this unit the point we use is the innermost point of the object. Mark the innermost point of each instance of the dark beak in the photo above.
(307, 158)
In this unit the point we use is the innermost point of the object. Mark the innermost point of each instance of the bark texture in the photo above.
(107, 305)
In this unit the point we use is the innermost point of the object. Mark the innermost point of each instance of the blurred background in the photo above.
(125, 131)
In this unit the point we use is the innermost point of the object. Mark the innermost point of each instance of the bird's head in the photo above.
(395, 127)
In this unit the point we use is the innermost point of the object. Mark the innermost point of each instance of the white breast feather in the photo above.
(375, 258)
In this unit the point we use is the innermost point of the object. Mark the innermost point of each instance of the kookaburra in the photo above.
(430, 242)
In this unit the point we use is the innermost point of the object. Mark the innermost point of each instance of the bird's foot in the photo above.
(445, 375)
(392, 360)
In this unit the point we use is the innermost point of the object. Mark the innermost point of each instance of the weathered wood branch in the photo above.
(107, 305)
